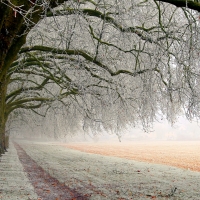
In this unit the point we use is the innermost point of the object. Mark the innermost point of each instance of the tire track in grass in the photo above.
(46, 186)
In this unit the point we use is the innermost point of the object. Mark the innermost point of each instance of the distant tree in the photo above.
(103, 64)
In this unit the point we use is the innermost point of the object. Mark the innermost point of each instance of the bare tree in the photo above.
(100, 64)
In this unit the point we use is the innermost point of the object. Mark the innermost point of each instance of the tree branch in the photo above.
(86, 56)
(194, 5)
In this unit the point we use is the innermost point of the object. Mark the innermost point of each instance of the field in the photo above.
(179, 154)
(62, 172)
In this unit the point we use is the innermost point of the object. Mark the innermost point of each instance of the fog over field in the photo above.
(182, 130)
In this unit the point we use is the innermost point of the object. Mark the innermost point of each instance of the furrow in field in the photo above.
(46, 186)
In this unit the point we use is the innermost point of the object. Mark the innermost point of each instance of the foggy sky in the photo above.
(182, 130)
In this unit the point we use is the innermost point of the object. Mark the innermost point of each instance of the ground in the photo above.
(52, 171)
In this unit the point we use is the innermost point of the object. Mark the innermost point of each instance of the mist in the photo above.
(182, 130)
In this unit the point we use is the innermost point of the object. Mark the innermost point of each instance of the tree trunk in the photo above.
(2, 138)
(14, 27)
(3, 89)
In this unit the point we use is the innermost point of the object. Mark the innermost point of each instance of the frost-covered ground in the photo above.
(14, 184)
(106, 177)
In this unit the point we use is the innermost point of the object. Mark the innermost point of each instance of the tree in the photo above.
(112, 63)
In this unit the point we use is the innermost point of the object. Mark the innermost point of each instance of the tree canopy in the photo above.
(99, 64)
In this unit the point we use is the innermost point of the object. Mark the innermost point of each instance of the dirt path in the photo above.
(46, 186)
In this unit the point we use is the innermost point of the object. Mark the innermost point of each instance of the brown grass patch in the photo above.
(179, 154)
